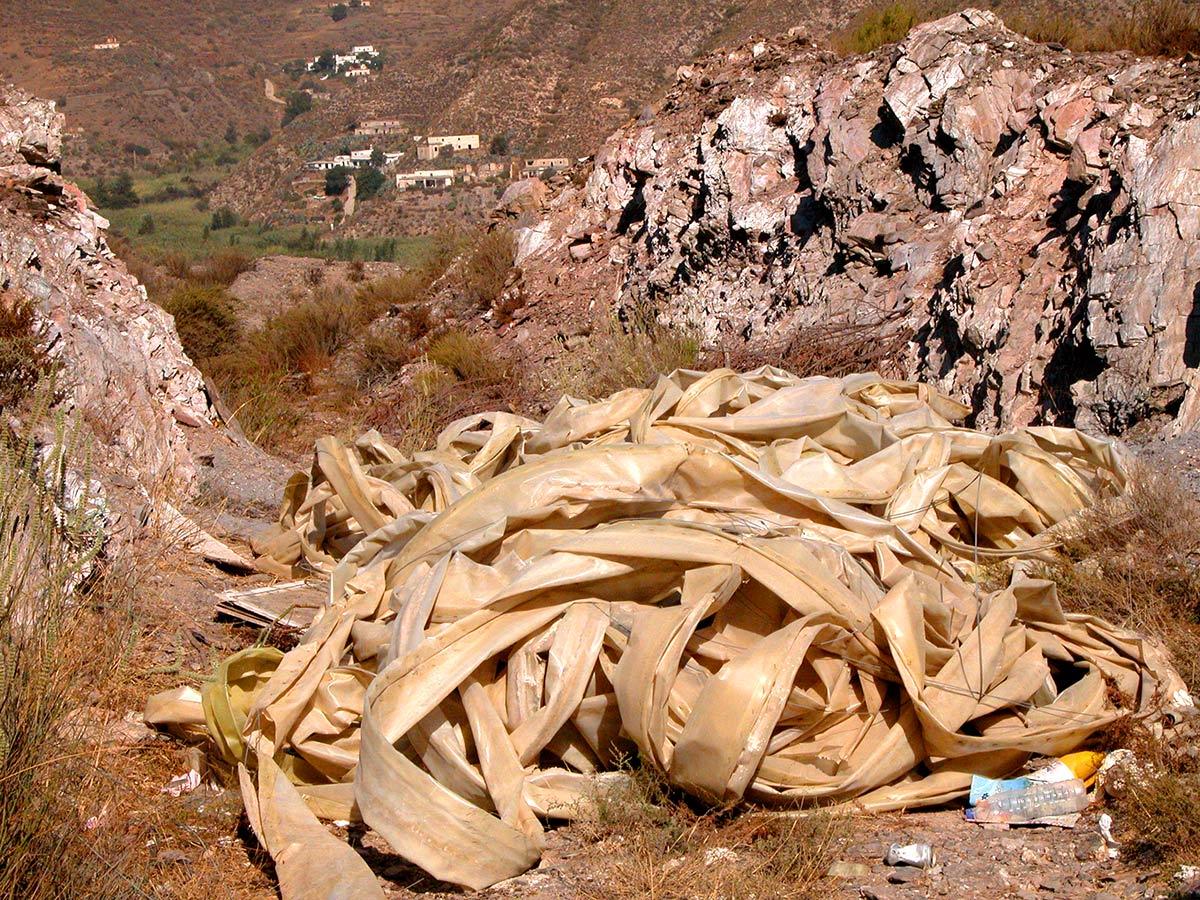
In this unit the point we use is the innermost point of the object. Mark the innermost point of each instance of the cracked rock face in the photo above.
(121, 365)
(1030, 216)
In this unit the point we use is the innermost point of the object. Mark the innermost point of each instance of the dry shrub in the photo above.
(223, 267)
(469, 357)
(835, 349)
(393, 291)
(23, 358)
(1134, 561)
(204, 318)
(460, 375)
(261, 375)
(654, 844)
(613, 359)
(1160, 819)
(1157, 28)
(485, 269)
(61, 640)
(357, 271)
(176, 265)
(384, 350)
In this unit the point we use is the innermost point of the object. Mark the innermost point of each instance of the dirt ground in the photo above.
(198, 845)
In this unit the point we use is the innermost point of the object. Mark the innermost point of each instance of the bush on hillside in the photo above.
(485, 269)
(298, 103)
(369, 181)
(877, 26)
(337, 180)
(205, 319)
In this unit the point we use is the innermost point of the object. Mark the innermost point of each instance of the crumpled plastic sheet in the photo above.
(764, 586)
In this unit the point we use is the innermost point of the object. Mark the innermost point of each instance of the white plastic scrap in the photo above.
(714, 855)
(182, 784)
(1104, 826)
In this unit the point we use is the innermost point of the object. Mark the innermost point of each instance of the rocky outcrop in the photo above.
(122, 372)
(1030, 216)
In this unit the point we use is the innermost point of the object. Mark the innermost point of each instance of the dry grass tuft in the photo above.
(655, 845)
(835, 349)
(613, 359)
(461, 374)
(469, 357)
(1155, 28)
(223, 267)
(61, 638)
(23, 358)
(1134, 561)
(876, 26)
(485, 269)
(1160, 819)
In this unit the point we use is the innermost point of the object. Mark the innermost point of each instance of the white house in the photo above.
(379, 126)
(539, 164)
(425, 178)
(364, 49)
(109, 43)
(454, 141)
(357, 72)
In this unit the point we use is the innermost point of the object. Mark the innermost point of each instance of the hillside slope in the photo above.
(1027, 218)
(554, 76)
(537, 69)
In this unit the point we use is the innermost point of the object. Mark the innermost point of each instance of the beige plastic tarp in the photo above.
(766, 586)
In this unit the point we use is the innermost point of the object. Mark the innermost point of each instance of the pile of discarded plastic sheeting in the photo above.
(764, 584)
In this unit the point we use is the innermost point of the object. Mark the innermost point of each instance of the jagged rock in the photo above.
(1031, 217)
(121, 366)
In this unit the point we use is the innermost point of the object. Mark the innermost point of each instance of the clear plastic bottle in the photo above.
(1057, 798)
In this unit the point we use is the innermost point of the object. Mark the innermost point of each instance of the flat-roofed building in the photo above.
(425, 178)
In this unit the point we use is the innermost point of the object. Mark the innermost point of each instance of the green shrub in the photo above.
(877, 26)
(298, 103)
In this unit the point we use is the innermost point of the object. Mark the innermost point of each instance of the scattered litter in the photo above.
(506, 607)
(292, 604)
(714, 855)
(919, 855)
(1187, 875)
(182, 784)
(1121, 771)
(96, 821)
(1032, 802)
(1104, 826)
(189, 780)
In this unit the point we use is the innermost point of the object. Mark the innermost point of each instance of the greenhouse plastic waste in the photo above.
(1033, 802)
